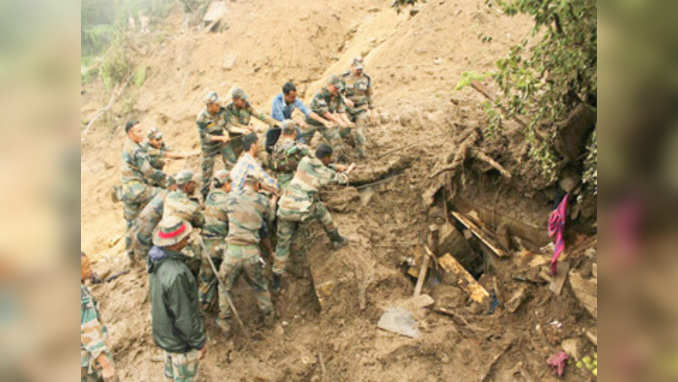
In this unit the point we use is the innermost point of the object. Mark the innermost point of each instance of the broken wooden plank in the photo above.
(586, 291)
(464, 279)
(484, 237)
(559, 280)
(422, 273)
(516, 299)
(593, 337)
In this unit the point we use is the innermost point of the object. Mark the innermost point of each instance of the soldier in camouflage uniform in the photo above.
(247, 211)
(287, 153)
(328, 104)
(146, 222)
(214, 233)
(96, 362)
(301, 202)
(359, 91)
(214, 139)
(156, 148)
(137, 172)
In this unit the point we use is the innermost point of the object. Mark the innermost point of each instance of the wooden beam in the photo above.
(465, 280)
(480, 234)
(422, 274)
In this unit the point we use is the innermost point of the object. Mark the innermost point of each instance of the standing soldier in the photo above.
(248, 211)
(214, 233)
(239, 113)
(136, 173)
(96, 362)
(328, 104)
(214, 139)
(301, 203)
(175, 312)
(287, 153)
(359, 91)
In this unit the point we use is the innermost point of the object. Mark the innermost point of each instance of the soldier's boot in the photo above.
(276, 282)
(224, 325)
(337, 240)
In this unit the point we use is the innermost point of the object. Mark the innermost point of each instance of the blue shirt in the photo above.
(282, 110)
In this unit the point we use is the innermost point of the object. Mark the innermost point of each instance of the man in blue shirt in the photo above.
(285, 103)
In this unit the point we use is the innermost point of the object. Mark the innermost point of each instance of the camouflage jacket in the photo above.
(241, 117)
(358, 90)
(323, 102)
(287, 154)
(247, 213)
(136, 166)
(211, 125)
(177, 203)
(92, 331)
(303, 191)
(216, 215)
(150, 216)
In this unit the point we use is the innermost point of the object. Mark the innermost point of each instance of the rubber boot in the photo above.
(275, 284)
(337, 240)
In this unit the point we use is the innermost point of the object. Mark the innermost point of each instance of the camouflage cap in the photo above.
(222, 177)
(211, 97)
(289, 126)
(358, 63)
(183, 177)
(336, 81)
(154, 133)
(239, 93)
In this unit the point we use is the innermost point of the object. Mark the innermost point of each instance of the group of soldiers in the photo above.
(270, 183)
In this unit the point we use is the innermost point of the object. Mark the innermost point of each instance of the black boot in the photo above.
(275, 285)
(337, 240)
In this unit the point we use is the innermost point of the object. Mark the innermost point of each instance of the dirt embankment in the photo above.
(415, 62)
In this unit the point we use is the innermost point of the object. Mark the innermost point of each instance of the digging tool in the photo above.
(228, 298)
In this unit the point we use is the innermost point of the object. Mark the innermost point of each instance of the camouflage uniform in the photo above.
(285, 158)
(178, 204)
(181, 367)
(137, 172)
(247, 212)
(92, 337)
(323, 102)
(359, 91)
(145, 224)
(214, 233)
(301, 202)
(213, 125)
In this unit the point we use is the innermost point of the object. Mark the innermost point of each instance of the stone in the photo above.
(516, 299)
(400, 321)
(229, 60)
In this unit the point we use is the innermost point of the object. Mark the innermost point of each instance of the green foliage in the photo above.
(542, 83)
(117, 64)
(139, 76)
(468, 77)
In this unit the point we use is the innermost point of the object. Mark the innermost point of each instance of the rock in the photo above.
(385, 117)
(229, 61)
(399, 320)
(573, 347)
(586, 291)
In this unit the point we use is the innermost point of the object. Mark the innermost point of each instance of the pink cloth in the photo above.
(558, 361)
(555, 229)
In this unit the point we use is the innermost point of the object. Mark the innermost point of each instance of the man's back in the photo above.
(247, 213)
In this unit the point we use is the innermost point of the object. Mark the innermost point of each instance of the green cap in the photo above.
(183, 177)
(154, 133)
(336, 81)
(222, 177)
(211, 97)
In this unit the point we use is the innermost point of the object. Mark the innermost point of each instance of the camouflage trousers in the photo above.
(135, 195)
(229, 154)
(142, 234)
(207, 280)
(181, 367)
(247, 259)
(330, 135)
(287, 229)
(90, 370)
(357, 134)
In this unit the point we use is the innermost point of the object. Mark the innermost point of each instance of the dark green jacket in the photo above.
(177, 324)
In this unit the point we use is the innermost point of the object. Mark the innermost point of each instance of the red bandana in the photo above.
(169, 235)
